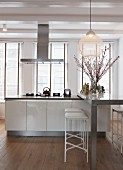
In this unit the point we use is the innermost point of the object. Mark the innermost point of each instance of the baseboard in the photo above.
(44, 133)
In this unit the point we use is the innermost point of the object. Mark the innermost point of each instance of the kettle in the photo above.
(46, 91)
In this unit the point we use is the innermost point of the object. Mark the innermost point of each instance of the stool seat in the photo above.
(76, 115)
(73, 110)
(118, 109)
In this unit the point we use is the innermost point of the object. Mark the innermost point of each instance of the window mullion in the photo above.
(50, 66)
(64, 64)
(110, 70)
(18, 69)
(5, 71)
(37, 78)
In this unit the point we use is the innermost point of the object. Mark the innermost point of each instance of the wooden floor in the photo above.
(46, 153)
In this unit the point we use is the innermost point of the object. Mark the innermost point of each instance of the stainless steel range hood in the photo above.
(42, 47)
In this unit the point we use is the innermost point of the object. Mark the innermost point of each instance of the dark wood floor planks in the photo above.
(47, 153)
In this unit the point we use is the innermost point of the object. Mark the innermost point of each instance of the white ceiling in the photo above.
(66, 18)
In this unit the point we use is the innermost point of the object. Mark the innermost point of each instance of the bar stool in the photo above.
(117, 130)
(79, 116)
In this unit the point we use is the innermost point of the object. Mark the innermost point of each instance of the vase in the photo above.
(93, 87)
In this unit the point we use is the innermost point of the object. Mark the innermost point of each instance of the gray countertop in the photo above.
(24, 97)
(103, 100)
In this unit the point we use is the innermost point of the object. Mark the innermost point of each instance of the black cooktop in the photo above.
(29, 94)
(38, 94)
(42, 95)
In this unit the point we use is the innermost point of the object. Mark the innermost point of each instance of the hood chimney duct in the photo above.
(43, 41)
(42, 47)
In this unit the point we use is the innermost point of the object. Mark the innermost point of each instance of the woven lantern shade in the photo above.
(90, 45)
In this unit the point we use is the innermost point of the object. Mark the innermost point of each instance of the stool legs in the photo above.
(82, 135)
(112, 125)
(65, 143)
(121, 147)
(86, 137)
(118, 132)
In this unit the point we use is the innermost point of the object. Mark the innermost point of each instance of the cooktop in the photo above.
(42, 95)
(38, 94)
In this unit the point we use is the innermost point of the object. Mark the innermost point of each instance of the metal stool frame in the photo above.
(82, 135)
(118, 134)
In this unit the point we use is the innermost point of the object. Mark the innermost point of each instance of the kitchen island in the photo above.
(44, 116)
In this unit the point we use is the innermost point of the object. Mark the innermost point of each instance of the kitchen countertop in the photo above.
(24, 97)
(104, 100)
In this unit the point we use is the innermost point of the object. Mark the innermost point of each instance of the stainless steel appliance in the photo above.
(42, 47)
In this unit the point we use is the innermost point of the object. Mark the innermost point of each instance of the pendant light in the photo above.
(90, 45)
(90, 35)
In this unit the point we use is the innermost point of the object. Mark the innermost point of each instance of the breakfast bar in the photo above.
(95, 102)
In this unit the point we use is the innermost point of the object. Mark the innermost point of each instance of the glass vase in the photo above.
(93, 87)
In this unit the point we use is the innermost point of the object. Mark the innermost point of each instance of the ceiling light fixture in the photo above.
(90, 45)
(4, 27)
(90, 36)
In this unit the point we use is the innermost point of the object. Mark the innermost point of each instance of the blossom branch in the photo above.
(97, 67)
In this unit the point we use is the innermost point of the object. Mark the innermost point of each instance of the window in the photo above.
(53, 75)
(43, 76)
(57, 70)
(9, 69)
(105, 80)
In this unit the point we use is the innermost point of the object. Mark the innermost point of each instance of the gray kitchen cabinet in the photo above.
(15, 115)
(36, 115)
(56, 114)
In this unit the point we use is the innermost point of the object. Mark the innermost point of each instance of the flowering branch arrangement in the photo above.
(95, 67)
